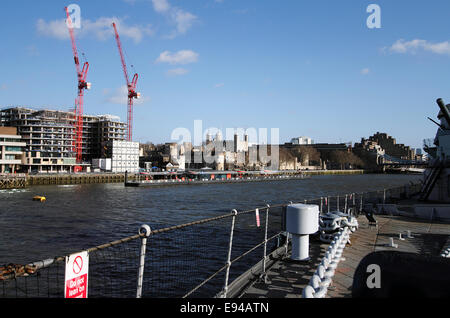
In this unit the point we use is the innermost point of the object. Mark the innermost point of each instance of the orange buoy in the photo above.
(39, 198)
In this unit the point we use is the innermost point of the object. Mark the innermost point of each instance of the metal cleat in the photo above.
(391, 243)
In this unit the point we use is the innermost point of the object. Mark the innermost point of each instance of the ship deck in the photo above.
(287, 278)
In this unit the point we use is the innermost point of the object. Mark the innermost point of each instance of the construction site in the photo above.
(55, 141)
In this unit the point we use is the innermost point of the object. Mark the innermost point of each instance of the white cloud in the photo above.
(365, 71)
(182, 19)
(100, 28)
(55, 29)
(402, 46)
(219, 85)
(120, 97)
(161, 5)
(180, 57)
(177, 72)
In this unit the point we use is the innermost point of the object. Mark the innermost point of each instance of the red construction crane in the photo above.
(82, 85)
(131, 86)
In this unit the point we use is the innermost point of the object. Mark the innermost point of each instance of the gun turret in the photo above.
(444, 111)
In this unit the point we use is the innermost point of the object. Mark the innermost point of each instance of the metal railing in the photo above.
(196, 259)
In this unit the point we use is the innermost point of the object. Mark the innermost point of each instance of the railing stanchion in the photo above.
(145, 231)
(328, 203)
(265, 245)
(227, 274)
(320, 205)
(361, 203)
(345, 204)
(287, 234)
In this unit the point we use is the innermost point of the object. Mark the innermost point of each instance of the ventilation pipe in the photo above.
(301, 221)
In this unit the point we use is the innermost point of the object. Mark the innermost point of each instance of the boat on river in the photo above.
(192, 177)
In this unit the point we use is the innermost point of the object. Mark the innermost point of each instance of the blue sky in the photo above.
(309, 68)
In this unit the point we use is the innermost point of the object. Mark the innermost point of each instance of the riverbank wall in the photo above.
(22, 180)
(333, 172)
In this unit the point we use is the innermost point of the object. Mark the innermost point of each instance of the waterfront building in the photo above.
(302, 141)
(11, 150)
(50, 137)
(98, 130)
(392, 148)
(240, 145)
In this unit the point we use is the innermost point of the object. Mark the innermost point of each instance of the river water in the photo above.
(77, 217)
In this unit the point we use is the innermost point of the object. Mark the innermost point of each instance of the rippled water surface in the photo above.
(77, 217)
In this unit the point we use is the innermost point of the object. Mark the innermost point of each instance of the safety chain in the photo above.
(446, 249)
(322, 277)
(332, 222)
(15, 270)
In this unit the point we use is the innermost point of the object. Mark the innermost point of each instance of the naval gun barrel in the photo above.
(444, 110)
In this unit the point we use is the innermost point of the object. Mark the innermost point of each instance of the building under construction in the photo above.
(50, 137)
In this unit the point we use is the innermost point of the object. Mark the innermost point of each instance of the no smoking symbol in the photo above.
(77, 264)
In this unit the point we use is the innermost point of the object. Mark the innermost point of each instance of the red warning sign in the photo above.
(76, 278)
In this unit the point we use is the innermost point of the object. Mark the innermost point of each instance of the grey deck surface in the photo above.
(287, 278)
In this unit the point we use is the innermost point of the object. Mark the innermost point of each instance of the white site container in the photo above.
(106, 164)
(301, 221)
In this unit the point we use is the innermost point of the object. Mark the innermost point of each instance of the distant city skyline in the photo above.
(308, 68)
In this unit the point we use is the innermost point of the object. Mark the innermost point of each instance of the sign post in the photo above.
(76, 277)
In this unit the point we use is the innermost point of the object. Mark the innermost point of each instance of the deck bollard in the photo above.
(301, 221)
(145, 231)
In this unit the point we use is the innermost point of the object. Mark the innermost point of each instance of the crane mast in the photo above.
(82, 85)
(131, 86)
